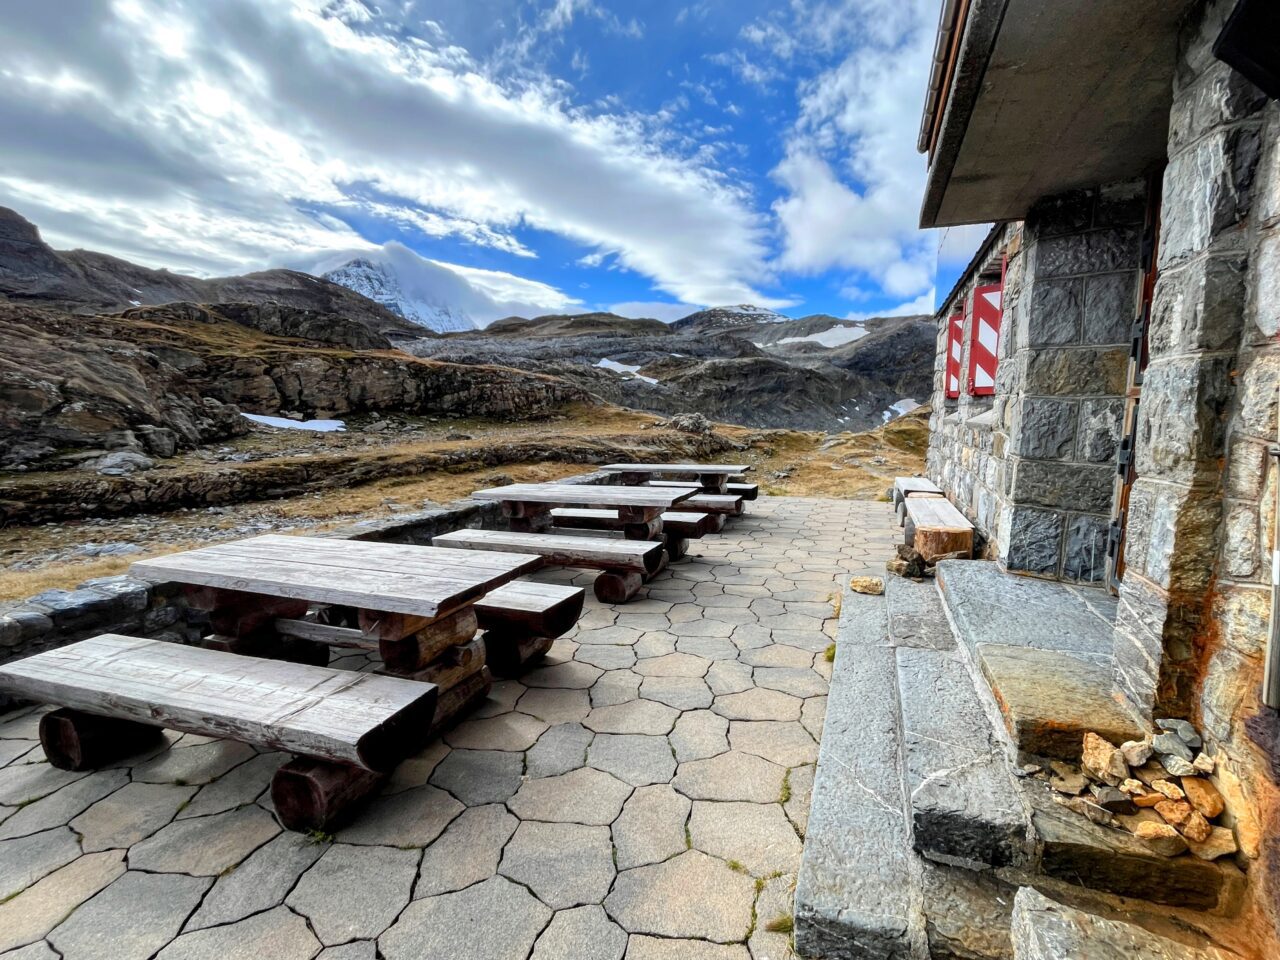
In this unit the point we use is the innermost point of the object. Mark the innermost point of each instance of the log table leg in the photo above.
(461, 699)
(244, 623)
(617, 586)
(407, 645)
(527, 517)
(677, 547)
(319, 794)
(713, 482)
(74, 740)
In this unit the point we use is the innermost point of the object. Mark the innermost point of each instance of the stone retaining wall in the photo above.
(127, 605)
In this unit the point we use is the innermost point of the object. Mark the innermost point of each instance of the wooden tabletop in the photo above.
(725, 468)
(589, 495)
(388, 577)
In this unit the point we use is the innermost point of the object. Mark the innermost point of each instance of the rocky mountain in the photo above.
(87, 282)
(381, 284)
(740, 365)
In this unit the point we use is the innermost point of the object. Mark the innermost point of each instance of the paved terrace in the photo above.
(645, 793)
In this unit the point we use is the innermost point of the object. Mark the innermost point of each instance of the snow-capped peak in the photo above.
(380, 282)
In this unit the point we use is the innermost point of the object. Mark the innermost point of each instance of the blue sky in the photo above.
(556, 155)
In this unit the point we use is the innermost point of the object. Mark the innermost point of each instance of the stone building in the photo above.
(1116, 435)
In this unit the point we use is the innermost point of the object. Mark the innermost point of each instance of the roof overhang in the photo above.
(1040, 98)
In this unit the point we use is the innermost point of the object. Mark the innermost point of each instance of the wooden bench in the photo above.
(905, 487)
(117, 693)
(718, 503)
(677, 528)
(746, 491)
(936, 529)
(627, 563)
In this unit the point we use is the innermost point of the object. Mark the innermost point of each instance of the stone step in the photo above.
(1045, 651)
(1044, 929)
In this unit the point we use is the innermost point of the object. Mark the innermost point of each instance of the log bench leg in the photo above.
(459, 701)
(73, 740)
(320, 795)
(662, 565)
(677, 547)
(617, 587)
(508, 655)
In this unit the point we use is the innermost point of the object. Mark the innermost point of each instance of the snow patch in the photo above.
(836, 336)
(625, 369)
(319, 426)
(903, 406)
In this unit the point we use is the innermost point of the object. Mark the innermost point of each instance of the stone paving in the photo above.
(644, 793)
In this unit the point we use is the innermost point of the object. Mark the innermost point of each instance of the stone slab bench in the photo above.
(937, 529)
(626, 563)
(117, 693)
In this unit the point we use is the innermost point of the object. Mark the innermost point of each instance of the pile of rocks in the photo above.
(1156, 788)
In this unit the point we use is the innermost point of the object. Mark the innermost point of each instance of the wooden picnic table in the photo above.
(528, 506)
(411, 603)
(712, 477)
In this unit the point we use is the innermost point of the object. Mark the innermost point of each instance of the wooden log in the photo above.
(661, 566)
(235, 613)
(320, 795)
(537, 523)
(677, 547)
(933, 543)
(296, 650)
(639, 515)
(416, 651)
(509, 655)
(561, 550)
(713, 482)
(717, 522)
(634, 478)
(74, 740)
(649, 530)
(617, 587)
(346, 637)
(530, 608)
(383, 625)
(459, 701)
(452, 667)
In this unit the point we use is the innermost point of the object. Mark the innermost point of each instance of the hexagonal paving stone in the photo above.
(467, 852)
(199, 763)
(558, 705)
(673, 665)
(561, 749)
(699, 734)
(279, 934)
(479, 776)
(636, 716)
(33, 913)
(654, 644)
(412, 818)
(607, 657)
(707, 648)
(205, 846)
(571, 675)
(583, 933)
(417, 770)
(353, 893)
(692, 895)
(728, 677)
(797, 681)
(778, 655)
(59, 807)
(509, 731)
(622, 636)
(494, 920)
(634, 758)
(651, 826)
(680, 693)
(758, 704)
(813, 714)
(784, 742)
(730, 776)
(24, 860)
(355, 950)
(25, 782)
(643, 622)
(502, 699)
(131, 919)
(564, 864)
(132, 813)
(751, 636)
(236, 787)
(259, 883)
(757, 835)
(581, 796)
(640, 947)
(774, 905)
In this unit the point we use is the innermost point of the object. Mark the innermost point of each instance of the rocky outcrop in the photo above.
(85, 281)
(161, 379)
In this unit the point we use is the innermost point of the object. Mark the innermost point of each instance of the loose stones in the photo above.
(1204, 796)
(1161, 838)
(1103, 761)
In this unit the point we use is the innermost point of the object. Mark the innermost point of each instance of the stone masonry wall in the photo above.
(1194, 603)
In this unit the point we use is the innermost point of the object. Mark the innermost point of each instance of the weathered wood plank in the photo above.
(329, 714)
(588, 495)
(711, 503)
(935, 528)
(531, 608)
(936, 512)
(725, 468)
(747, 491)
(565, 551)
(690, 526)
(326, 633)
(904, 487)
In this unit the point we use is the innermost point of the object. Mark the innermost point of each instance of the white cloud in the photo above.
(215, 136)
(923, 304)
(666, 312)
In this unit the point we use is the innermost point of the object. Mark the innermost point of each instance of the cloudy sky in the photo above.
(575, 154)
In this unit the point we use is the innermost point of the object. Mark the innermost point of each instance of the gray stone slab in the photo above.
(236, 787)
(692, 895)
(854, 890)
(561, 749)
(279, 934)
(25, 782)
(581, 796)
(63, 805)
(24, 860)
(564, 864)
(205, 846)
(494, 920)
(478, 777)
(1044, 929)
(583, 933)
(698, 735)
(201, 762)
(964, 807)
(354, 893)
(756, 835)
(916, 615)
(131, 919)
(259, 883)
(33, 951)
(33, 913)
(651, 826)
(467, 852)
(967, 913)
(634, 758)
(412, 818)
(132, 813)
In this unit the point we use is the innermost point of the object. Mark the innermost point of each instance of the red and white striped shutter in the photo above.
(955, 341)
(987, 310)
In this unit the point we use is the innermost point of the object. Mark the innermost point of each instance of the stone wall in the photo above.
(1194, 603)
(135, 607)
